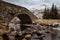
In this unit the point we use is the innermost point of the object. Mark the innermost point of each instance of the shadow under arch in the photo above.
(25, 19)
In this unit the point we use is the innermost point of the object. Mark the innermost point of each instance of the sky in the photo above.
(34, 3)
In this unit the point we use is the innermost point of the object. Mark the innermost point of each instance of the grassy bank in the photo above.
(47, 21)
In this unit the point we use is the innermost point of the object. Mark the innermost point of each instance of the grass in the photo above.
(47, 21)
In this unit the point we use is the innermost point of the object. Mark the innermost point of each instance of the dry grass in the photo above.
(47, 21)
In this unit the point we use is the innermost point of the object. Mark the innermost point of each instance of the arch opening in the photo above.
(25, 19)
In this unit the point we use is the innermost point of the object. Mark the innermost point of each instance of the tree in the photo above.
(51, 14)
(58, 16)
(45, 15)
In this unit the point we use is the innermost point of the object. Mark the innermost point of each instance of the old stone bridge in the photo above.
(8, 11)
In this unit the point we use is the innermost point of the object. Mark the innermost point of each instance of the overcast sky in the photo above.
(34, 3)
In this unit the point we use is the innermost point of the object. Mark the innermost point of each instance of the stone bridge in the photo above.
(8, 11)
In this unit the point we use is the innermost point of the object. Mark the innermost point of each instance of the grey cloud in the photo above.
(33, 3)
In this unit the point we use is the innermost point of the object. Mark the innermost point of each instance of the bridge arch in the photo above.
(25, 19)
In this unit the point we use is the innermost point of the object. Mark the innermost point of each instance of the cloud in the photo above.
(34, 3)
